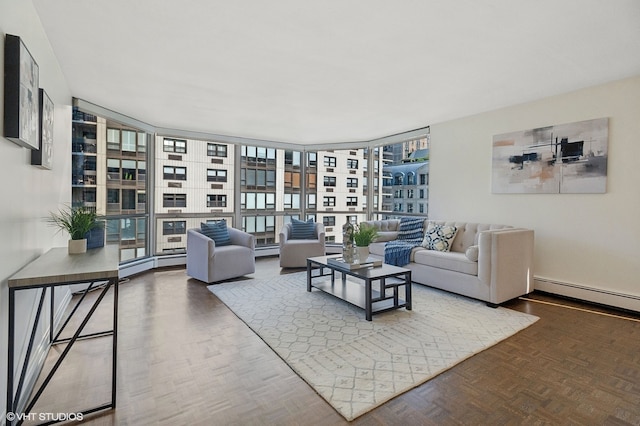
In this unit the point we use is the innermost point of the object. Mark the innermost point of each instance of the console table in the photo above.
(58, 268)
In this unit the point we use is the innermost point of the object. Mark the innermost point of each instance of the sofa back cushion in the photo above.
(387, 229)
(387, 225)
(467, 234)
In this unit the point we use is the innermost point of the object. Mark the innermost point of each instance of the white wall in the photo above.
(30, 193)
(587, 245)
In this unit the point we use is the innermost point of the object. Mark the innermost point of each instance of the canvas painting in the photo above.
(560, 159)
(43, 156)
(20, 94)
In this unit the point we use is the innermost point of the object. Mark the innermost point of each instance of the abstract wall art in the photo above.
(21, 74)
(560, 159)
(43, 156)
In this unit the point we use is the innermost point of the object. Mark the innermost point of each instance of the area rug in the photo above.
(357, 365)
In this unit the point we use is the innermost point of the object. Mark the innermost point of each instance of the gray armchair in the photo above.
(209, 263)
(294, 253)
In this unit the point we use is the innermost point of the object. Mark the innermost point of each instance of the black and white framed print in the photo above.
(43, 156)
(21, 74)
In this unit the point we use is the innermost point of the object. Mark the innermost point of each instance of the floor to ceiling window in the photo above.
(109, 163)
(254, 188)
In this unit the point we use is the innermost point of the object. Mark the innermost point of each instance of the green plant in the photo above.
(364, 234)
(77, 221)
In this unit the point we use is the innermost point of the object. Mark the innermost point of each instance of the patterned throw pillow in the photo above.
(410, 228)
(439, 237)
(301, 230)
(217, 231)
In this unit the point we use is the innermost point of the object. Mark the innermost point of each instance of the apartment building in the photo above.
(196, 181)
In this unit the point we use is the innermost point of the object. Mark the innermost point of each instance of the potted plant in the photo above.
(363, 235)
(77, 221)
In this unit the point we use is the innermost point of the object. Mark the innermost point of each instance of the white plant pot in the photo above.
(363, 254)
(77, 246)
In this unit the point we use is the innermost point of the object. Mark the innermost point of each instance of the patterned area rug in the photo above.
(354, 364)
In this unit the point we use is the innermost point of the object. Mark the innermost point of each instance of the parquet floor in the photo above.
(185, 359)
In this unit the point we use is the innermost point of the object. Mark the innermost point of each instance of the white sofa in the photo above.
(492, 263)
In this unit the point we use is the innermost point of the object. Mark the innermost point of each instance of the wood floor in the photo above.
(185, 359)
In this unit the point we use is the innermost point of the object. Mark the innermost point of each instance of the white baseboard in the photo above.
(590, 294)
(267, 251)
(137, 267)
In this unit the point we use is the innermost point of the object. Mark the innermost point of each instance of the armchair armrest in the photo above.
(285, 233)
(319, 230)
(241, 238)
(199, 245)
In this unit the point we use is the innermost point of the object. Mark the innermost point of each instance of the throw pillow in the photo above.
(439, 237)
(301, 230)
(472, 253)
(410, 228)
(217, 231)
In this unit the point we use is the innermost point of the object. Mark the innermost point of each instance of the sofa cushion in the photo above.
(439, 237)
(385, 224)
(301, 230)
(217, 231)
(384, 236)
(452, 261)
(377, 248)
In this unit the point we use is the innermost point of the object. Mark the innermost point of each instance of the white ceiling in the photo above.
(333, 70)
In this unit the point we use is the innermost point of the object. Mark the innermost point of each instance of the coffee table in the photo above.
(362, 295)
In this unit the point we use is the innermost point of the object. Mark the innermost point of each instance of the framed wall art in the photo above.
(561, 159)
(21, 74)
(43, 156)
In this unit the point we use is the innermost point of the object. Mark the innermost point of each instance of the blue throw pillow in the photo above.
(303, 230)
(411, 228)
(217, 231)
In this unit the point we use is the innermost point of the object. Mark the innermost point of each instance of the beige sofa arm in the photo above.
(505, 262)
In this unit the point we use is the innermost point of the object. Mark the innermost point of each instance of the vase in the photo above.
(77, 246)
(95, 238)
(348, 248)
(363, 254)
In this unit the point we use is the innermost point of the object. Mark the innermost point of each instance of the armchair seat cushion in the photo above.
(451, 261)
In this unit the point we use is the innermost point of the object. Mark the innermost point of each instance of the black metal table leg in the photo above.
(10, 355)
(367, 297)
